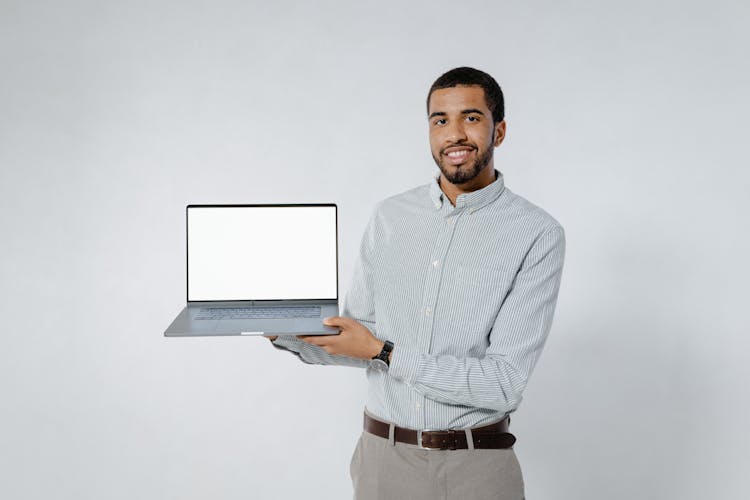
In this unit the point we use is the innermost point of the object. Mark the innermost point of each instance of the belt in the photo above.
(493, 436)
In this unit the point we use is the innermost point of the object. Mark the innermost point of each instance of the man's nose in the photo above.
(456, 132)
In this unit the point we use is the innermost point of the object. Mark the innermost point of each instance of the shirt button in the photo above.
(419, 405)
(427, 311)
(450, 220)
(435, 263)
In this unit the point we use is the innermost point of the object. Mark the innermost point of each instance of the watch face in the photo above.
(379, 365)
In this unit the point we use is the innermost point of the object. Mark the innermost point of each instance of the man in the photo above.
(451, 301)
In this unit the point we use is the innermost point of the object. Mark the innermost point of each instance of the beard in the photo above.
(465, 173)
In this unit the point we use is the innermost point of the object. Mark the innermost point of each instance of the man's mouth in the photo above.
(457, 155)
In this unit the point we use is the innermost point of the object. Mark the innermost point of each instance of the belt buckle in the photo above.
(449, 445)
(419, 440)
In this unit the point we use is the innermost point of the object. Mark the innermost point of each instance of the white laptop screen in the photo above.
(261, 252)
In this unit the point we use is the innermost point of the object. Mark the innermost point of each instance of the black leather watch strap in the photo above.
(385, 353)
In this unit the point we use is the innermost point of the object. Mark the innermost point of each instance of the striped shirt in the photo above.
(467, 295)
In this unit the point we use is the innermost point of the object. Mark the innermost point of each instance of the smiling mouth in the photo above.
(457, 156)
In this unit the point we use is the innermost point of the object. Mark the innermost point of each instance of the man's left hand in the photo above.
(354, 339)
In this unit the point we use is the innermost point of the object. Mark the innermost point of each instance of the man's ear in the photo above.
(499, 133)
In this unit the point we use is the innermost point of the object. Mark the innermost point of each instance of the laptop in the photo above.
(260, 270)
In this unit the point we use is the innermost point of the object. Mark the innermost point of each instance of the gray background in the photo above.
(625, 121)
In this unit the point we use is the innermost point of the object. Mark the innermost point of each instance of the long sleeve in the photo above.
(314, 355)
(496, 381)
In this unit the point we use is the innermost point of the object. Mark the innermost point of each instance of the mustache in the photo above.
(459, 144)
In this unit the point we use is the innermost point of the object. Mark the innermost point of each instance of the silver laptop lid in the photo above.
(262, 252)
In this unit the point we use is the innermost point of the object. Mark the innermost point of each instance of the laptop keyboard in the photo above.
(286, 312)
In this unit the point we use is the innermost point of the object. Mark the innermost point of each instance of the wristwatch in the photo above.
(381, 361)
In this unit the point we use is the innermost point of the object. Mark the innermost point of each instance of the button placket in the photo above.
(429, 297)
(438, 257)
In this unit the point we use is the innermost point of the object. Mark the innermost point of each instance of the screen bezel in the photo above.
(257, 205)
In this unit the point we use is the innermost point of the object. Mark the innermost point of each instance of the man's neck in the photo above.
(453, 191)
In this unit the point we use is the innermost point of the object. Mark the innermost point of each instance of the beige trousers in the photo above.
(384, 470)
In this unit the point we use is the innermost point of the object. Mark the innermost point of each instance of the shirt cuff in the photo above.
(405, 365)
(287, 343)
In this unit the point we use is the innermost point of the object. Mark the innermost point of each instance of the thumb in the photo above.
(335, 321)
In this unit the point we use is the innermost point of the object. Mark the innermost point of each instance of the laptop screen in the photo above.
(278, 252)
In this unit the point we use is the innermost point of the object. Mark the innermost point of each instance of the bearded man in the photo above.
(451, 302)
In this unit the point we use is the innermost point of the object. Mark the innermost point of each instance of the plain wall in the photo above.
(626, 121)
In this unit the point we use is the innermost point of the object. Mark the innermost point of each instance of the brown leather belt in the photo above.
(493, 436)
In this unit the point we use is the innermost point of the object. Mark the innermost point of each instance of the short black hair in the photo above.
(465, 76)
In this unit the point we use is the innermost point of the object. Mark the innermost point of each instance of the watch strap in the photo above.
(384, 354)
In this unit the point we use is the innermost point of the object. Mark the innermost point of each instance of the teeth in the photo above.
(456, 154)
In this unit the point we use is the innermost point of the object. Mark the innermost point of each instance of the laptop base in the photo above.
(186, 324)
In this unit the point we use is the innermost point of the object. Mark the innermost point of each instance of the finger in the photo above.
(308, 338)
(341, 321)
(314, 339)
(333, 321)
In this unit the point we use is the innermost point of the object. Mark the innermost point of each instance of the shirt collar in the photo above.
(474, 200)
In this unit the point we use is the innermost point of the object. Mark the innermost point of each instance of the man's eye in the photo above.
(440, 121)
(472, 118)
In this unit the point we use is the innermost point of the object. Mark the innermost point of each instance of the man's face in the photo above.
(462, 133)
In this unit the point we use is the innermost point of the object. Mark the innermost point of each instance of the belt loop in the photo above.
(392, 434)
(419, 438)
(469, 439)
